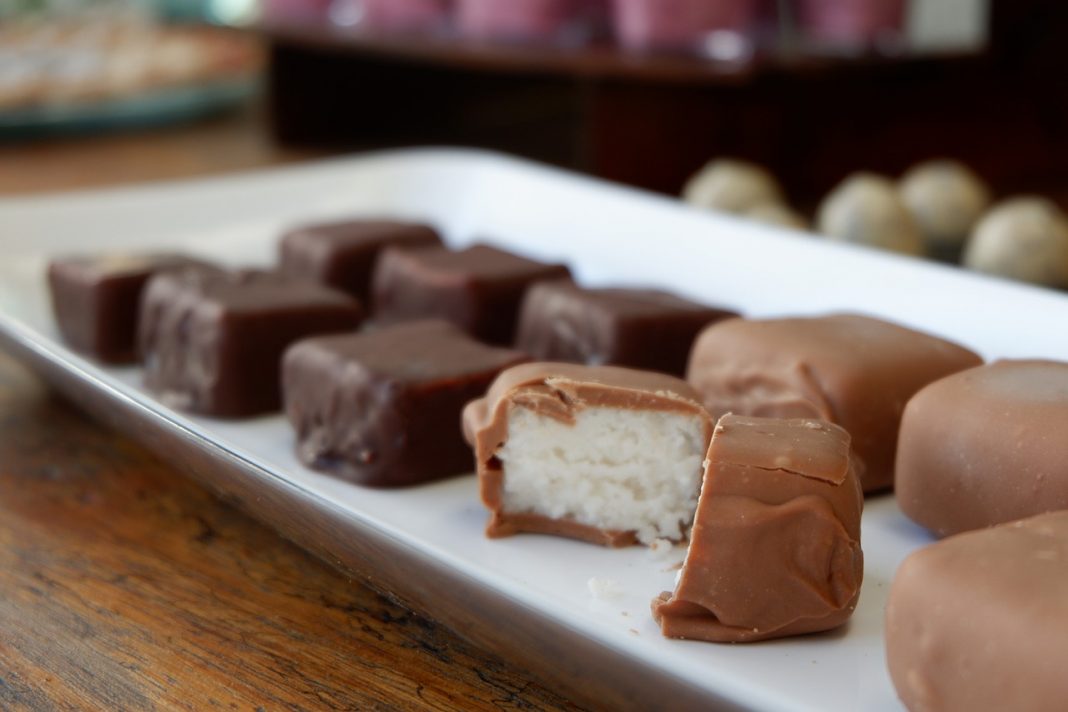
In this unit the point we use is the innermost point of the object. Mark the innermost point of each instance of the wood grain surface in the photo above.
(125, 586)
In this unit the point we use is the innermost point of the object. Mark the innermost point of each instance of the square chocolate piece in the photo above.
(775, 546)
(848, 369)
(344, 254)
(212, 341)
(479, 289)
(382, 408)
(638, 328)
(96, 299)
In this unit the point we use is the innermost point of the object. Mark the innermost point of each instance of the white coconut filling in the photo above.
(614, 468)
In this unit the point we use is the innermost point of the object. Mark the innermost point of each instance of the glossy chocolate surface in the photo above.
(985, 446)
(775, 546)
(344, 254)
(637, 328)
(979, 621)
(480, 289)
(96, 299)
(848, 369)
(382, 408)
(212, 341)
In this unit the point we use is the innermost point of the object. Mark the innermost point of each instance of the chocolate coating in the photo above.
(638, 328)
(382, 408)
(985, 446)
(344, 254)
(979, 621)
(561, 390)
(212, 341)
(479, 289)
(851, 370)
(96, 299)
(775, 547)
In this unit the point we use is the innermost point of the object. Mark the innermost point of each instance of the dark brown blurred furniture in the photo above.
(651, 121)
(231, 142)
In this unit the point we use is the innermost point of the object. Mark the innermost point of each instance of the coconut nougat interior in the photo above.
(612, 468)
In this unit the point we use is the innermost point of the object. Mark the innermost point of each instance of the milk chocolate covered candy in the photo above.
(985, 446)
(775, 547)
(851, 370)
(979, 621)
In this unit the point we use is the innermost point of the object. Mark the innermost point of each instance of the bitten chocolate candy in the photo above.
(775, 546)
(212, 341)
(96, 298)
(479, 289)
(608, 455)
(985, 446)
(851, 370)
(639, 328)
(343, 254)
(978, 622)
(382, 408)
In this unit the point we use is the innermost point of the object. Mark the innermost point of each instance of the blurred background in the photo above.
(788, 99)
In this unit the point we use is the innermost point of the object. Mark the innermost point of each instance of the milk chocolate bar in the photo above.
(343, 254)
(638, 328)
(851, 370)
(479, 289)
(96, 298)
(979, 621)
(212, 341)
(985, 446)
(775, 547)
(603, 454)
(382, 408)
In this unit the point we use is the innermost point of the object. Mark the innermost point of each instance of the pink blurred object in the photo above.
(851, 22)
(299, 11)
(521, 19)
(679, 24)
(406, 14)
(390, 15)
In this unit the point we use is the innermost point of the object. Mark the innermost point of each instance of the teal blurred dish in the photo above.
(170, 105)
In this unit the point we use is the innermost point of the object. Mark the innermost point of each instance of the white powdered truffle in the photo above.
(1024, 238)
(865, 209)
(946, 200)
(731, 186)
(777, 214)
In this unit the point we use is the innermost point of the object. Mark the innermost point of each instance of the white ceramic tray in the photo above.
(525, 596)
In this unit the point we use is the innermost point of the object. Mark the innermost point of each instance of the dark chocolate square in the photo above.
(343, 254)
(479, 289)
(212, 341)
(639, 328)
(382, 408)
(95, 300)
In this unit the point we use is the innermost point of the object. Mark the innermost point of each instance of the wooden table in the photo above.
(123, 585)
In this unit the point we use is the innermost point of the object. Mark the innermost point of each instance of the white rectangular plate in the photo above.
(525, 595)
